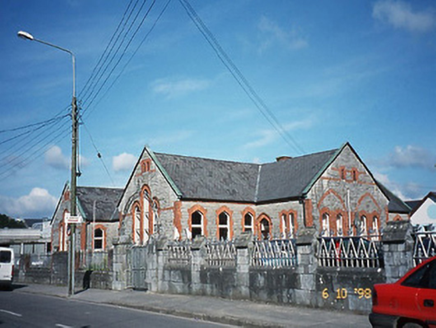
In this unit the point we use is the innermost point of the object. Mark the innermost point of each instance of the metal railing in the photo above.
(425, 246)
(179, 252)
(276, 253)
(220, 253)
(352, 252)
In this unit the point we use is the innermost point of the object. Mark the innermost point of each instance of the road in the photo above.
(29, 310)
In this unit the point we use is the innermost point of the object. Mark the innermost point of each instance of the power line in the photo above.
(239, 77)
(124, 50)
(133, 54)
(98, 152)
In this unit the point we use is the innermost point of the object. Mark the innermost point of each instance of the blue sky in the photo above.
(329, 71)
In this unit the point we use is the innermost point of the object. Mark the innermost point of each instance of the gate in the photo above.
(137, 262)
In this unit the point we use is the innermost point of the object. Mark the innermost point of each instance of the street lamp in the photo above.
(75, 126)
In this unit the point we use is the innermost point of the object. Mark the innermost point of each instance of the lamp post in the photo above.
(73, 211)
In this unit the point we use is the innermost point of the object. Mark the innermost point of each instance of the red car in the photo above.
(408, 303)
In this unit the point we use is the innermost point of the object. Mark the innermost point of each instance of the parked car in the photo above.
(408, 303)
(6, 266)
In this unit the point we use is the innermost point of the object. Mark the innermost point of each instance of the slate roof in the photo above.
(396, 205)
(106, 200)
(208, 179)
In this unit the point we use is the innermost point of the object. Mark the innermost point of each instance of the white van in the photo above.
(6, 266)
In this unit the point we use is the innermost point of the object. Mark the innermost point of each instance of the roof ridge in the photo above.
(207, 159)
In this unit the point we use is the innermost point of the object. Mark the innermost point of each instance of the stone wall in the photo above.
(307, 283)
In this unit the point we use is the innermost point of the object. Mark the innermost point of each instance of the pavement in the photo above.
(225, 311)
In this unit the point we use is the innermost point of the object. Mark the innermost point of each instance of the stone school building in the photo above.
(296, 230)
(179, 197)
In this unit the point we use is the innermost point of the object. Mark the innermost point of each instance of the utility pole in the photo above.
(72, 253)
(75, 126)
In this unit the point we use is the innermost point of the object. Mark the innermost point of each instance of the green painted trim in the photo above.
(164, 172)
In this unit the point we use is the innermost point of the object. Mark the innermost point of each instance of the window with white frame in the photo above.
(248, 222)
(223, 226)
(340, 225)
(146, 217)
(196, 224)
(137, 225)
(363, 226)
(288, 227)
(325, 232)
(265, 229)
(98, 239)
(375, 226)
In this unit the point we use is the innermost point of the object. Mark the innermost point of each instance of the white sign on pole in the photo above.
(73, 219)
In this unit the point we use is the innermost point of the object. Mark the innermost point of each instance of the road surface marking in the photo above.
(62, 326)
(11, 313)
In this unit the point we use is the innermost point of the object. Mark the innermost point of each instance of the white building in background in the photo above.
(423, 215)
(33, 240)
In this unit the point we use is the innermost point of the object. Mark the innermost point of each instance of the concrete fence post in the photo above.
(306, 293)
(198, 255)
(243, 246)
(397, 249)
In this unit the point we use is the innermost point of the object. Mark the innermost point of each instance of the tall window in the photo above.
(248, 222)
(98, 239)
(63, 233)
(363, 227)
(264, 229)
(146, 217)
(223, 226)
(137, 225)
(339, 225)
(197, 224)
(325, 225)
(375, 231)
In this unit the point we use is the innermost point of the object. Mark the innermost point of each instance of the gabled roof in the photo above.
(101, 201)
(208, 179)
(431, 195)
(396, 205)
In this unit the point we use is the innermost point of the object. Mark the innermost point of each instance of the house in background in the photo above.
(423, 215)
(180, 197)
(97, 207)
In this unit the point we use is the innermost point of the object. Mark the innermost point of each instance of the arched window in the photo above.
(63, 233)
(99, 239)
(136, 225)
(325, 225)
(248, 222)
(339, 225)
(265, 229)
(363, 230)
(223, 226)
(197, 224)
(375, 229)
(146, 217)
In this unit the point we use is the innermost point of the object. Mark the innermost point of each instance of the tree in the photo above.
(7, 222)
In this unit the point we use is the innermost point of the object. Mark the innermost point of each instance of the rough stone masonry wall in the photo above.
(306, 284)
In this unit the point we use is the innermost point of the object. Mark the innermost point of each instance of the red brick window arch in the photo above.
(99, 238)
(248, 220)
(264, 227)
(197, 222)
(288, 224)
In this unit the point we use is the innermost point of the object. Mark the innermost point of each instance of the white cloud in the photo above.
(55, 158)
(178, 87)
(406, 191)
(411, 156)
(38, 203)
(272, 33)
(177, 136)
(268, 136)
(400, 15)
(124, 162)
